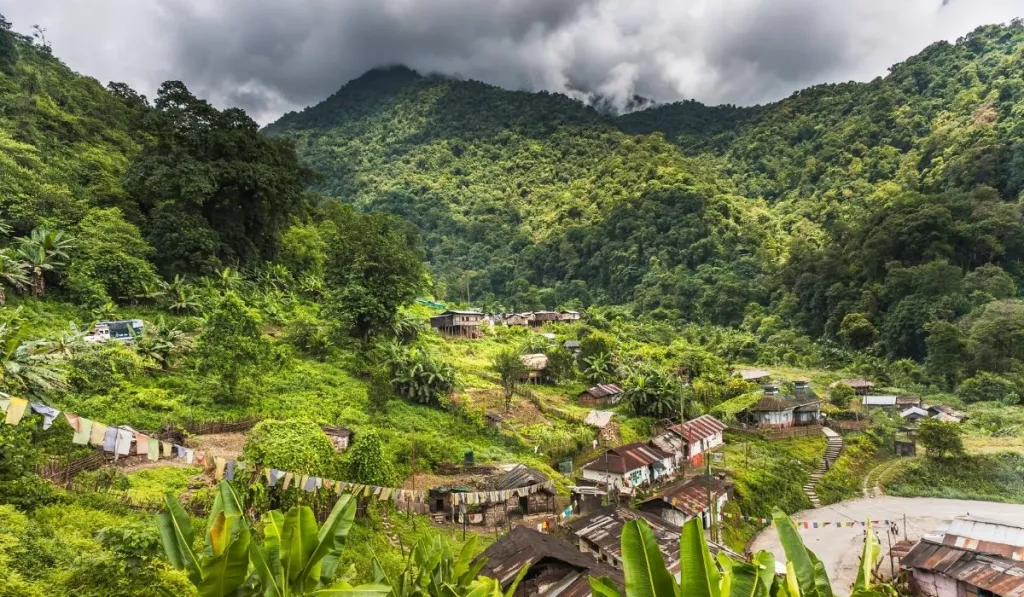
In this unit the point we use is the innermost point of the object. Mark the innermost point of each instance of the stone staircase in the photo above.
(833, 448)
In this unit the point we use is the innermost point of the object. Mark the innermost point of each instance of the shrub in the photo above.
(841, 395)
(419, 376)
(987, 386)
(294, 446)
(940, 439)
(366, 462)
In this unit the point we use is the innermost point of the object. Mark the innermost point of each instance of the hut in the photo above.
(518, 477)
(518, 319)
(461, 324)
(600, 535)
(536, 367)
(600, 395)
(341, 437)
(913, 414)
(569, 316)
(585, 499)
(878, 402)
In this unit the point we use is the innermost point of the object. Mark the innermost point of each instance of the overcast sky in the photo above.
(271, 56)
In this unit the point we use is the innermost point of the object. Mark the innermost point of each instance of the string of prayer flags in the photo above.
(812, 524)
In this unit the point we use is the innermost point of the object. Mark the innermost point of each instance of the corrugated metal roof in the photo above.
(914, 410)
(627, 458)
(878, 400)
(999, 575)
(604, 529)
(691, 496)
(528, 547)
(989, 536)
(603, 390)
(703, 427)
(519, 476)
(753, 374)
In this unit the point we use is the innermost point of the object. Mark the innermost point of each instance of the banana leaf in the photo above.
(698, 574)
(642, 563)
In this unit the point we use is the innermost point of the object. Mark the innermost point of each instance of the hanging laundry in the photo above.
(110, 439)
(16, 410)
(123, 445)
(229, 470)
(81, 436)
(154, 449)
(219, 464)
(48, 412)
(142, 444)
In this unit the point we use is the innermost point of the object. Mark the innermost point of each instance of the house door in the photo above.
(524, 505)
(439, 505)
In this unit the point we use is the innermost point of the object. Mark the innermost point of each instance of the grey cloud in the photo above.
(269, 57)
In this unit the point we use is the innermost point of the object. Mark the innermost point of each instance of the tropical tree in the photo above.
(432, 568)
(703, 575)
(43, 251)
(511, 369)
(222, 567)
(420, 376)
(299, 559)
(29, 367)
(13, 273)
(651, 392)
(599, 367)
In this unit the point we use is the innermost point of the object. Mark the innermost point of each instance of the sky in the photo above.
(272, 56)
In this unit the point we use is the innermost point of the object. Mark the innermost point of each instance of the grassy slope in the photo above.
(995, 477)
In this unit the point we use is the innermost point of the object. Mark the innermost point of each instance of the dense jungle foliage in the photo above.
(276, 273)
(881, 216)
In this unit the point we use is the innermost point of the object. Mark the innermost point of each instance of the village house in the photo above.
(600, 535)
(585, 499)
(887, 402)
(461, 324)
(542, 317)
(946, 413)
(630, 466)
(700, 435)
(518, 319)
(569, 316)
(860, 386)
(517, 477)
(689, 499)
(556, 567)
(121, 330)
(905, 402)
(914, 414)
(536, 368)
(572, 346)
(752, 375)
(774, 410)
(601, 395)
(969, 557)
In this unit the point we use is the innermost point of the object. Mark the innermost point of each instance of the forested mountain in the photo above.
(860, 211)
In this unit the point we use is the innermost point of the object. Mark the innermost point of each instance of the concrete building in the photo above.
(628, 467)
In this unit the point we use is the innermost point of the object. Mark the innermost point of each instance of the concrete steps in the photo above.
(833, 448)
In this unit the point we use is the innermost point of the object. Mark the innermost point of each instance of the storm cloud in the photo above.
(269, 56)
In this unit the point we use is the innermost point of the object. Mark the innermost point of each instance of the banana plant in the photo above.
(299, 559)
(433, 570)
(222, 566)
(702, 575)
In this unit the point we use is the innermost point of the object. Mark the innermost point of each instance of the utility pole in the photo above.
(707, 483)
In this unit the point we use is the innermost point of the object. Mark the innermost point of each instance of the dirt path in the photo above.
(840, 548)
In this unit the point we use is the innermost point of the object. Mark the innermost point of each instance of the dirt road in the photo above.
(840, 548)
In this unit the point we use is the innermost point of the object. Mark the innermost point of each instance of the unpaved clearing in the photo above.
(840, 548)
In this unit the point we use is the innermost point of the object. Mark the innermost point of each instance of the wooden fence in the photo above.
(849, 425)
(783, 433)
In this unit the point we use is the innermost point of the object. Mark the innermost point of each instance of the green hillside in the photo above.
(861, 213)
